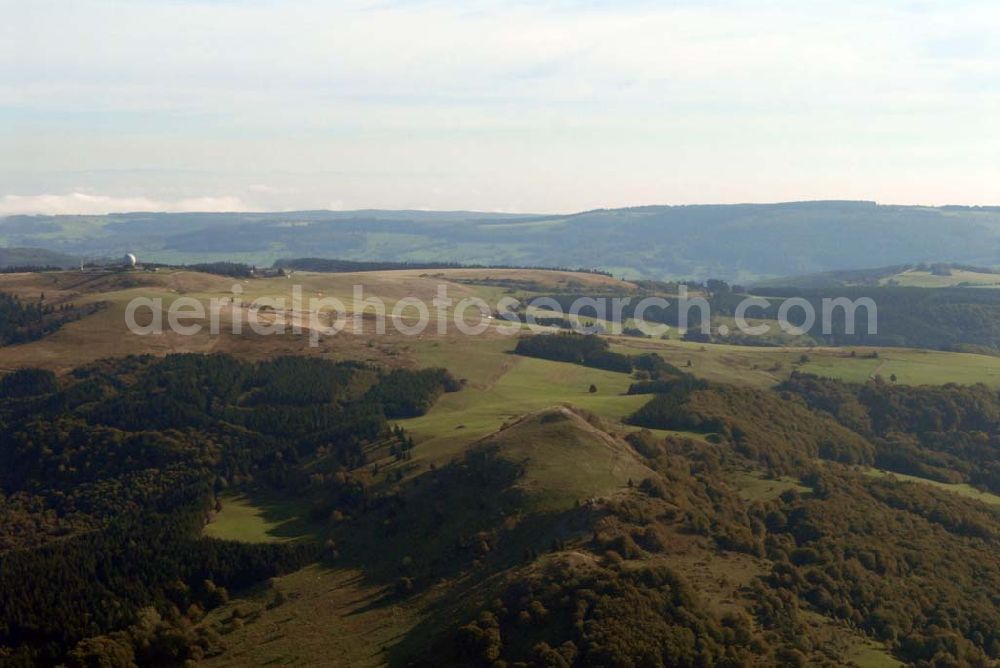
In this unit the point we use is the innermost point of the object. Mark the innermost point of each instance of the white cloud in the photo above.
(90, 204)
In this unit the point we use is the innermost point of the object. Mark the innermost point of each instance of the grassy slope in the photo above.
(911, 367)
(763, 367)
(330, 618)
(501, 386)
(258, 518)
(925, 279)
(336, 616)
(566, 459)
(476, 358)
(961, 489)
(105, 335)
(754, 486)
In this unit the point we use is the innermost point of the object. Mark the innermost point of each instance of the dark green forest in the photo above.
(941, 318)
(588, 350)
(107, 477)
(23, 321)
(909, 564)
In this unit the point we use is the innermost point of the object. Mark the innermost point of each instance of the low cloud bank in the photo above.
(90, 204)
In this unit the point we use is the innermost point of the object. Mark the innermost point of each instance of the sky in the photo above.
(541, 107)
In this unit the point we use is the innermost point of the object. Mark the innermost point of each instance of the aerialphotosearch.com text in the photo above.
(325, 316)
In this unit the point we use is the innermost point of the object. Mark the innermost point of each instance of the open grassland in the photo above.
(961, 489)
(957, 277)
(328, 617)
(856, 649)
(565, 459)
(755, 486)
(105, 334)
(911, 367)
(501, 386)
(770, 365)
(480, 359)
(760, 367)
(866, 653)
(259, 518)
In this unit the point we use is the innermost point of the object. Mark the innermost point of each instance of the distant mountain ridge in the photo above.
(35, 258)
(738, 242)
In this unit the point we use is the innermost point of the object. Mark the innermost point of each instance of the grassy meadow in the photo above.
(501, 386)
(961, 489)
(481, 359)
(259, 518)
(911, 367)
(328, 617)
(957, 277)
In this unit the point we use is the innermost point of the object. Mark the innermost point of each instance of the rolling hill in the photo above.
(257, 501)
(741, 242)
(35, 257)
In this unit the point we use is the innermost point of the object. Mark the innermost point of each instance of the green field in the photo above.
(911, 367)
(258, 519)
(329, 617)
(962, 489)
(565, 459)
(754, 486)
(768, 366)
(957, 277)
(502, 386)
(481, 359)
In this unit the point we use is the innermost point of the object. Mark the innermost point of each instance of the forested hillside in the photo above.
(23, 321)
(108, 476)
(24, 258)
(949, 433)
(557, 540)
(739, 242)
(854, 548)
(942, 318)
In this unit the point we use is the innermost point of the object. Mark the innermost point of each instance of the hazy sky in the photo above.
(514, 106)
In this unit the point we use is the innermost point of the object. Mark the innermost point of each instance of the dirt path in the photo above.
(877, 370)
